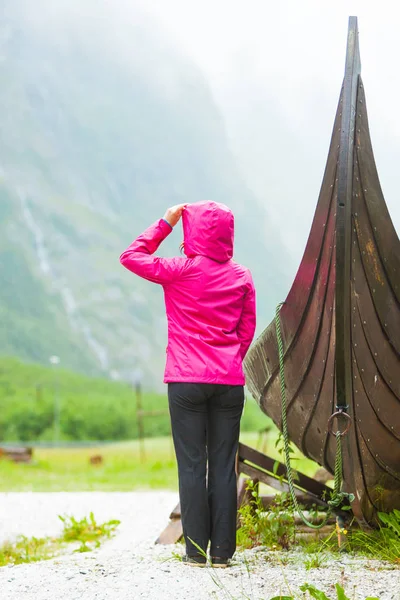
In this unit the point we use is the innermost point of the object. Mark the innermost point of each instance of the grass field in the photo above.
(69, 469)
(94, 409)
(89, 408)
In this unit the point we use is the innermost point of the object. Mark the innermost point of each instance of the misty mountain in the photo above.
(104, 125)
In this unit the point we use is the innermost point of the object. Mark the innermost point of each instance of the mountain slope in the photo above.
(104, 125)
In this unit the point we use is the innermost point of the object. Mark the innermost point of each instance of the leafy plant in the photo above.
(392, 521)
(274, 528)
(383, 544)
(319, 594)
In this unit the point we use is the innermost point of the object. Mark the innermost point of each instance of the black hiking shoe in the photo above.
(194, 561)
(220, 563)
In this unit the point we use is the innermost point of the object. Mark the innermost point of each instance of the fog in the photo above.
(276, 71)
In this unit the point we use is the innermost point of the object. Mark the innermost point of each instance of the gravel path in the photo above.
(130, 566)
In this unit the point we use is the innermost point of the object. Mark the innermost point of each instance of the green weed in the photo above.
(382, 544)
(392, 522)
(86, 531)
(316, 561)
(26, 550)
(274, 528)
(319, 595)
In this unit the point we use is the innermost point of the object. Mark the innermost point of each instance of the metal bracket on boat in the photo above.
(339, 413)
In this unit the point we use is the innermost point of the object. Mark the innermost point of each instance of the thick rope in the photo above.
(337, 496)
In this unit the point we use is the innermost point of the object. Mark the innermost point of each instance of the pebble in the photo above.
(131, 566)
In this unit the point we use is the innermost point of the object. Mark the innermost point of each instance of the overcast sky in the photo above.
(293, 52)
(275, 69)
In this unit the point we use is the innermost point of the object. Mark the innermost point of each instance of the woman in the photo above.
(210, 304)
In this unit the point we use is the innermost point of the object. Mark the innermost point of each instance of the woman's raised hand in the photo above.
(174, 213)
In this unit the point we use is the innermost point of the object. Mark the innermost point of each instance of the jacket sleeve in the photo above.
(138, 257)
(247, 323)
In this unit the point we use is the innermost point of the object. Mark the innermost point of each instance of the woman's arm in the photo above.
(138, 257)
(247, 323)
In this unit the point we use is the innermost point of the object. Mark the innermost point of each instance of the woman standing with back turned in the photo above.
(210, 304)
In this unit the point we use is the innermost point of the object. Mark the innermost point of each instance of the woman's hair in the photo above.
(182, 247)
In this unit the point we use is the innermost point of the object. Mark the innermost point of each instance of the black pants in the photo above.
(205, 422)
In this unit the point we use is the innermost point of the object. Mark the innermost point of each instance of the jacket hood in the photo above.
(208, 230)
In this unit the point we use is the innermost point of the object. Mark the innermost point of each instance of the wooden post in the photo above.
(262, 440)
(38, 393)
(55, 361)
(341, 533)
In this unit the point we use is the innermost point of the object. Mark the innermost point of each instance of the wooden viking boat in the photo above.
(341, 320)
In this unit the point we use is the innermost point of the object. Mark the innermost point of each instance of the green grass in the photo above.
(69, 469)
(90, 408)
(95, 409)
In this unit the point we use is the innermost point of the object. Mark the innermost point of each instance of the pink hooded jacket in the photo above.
(209, 299)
